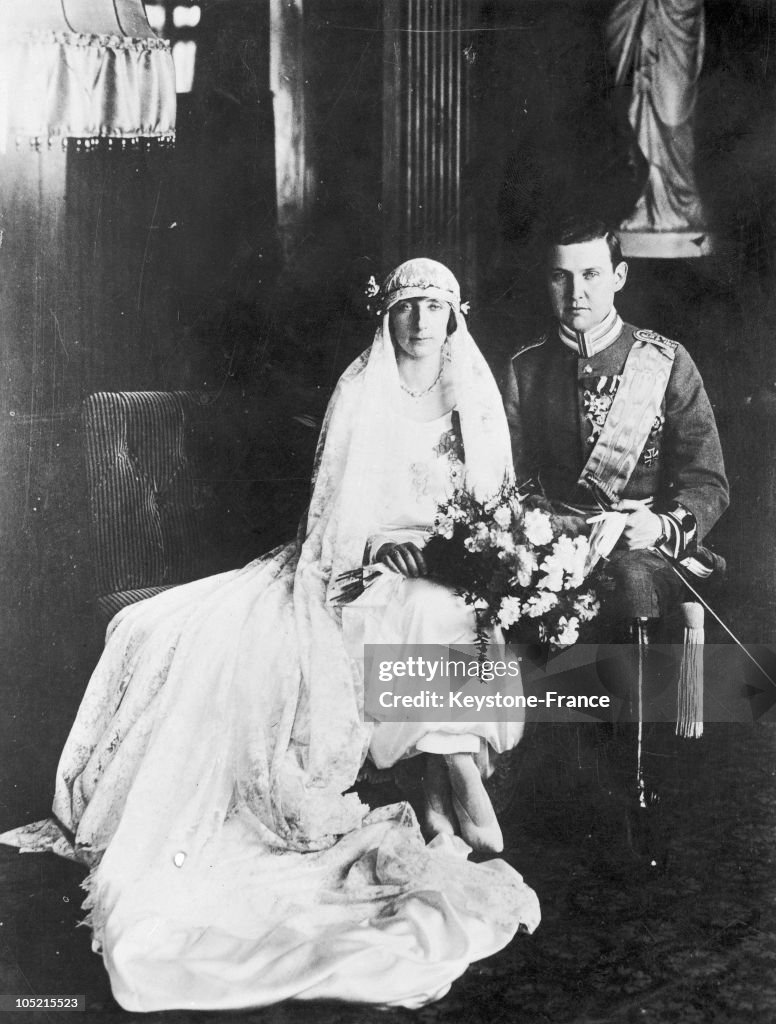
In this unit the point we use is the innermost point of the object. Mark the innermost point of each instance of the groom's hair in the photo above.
(581, 228)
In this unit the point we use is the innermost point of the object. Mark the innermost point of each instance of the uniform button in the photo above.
(587, 369)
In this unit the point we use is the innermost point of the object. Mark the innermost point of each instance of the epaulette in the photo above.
(531, 345)
(656, 339)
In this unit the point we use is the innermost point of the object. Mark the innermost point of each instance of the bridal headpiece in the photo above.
(420, 278)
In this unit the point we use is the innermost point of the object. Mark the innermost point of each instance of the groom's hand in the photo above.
(404, 558)
(642, 529)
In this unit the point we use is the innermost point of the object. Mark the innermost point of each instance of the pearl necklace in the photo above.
(425, 391)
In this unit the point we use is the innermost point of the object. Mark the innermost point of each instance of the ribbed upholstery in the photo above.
(182, 484)
(109, 604)
(143, 500)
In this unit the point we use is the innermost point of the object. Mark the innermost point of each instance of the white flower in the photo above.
(479, 539)
(509, 611)
(372, 288)
(504, 541)
(567, 559)
(587, 606)
(565, 549)
(540, 603)
(537, 526)
(527, 565)
(568, 631)
(445, 527)
(503, 517)
(553, 574)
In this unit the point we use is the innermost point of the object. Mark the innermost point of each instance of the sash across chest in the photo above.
(636, 404)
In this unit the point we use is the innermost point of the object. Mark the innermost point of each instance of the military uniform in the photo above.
(557, 393)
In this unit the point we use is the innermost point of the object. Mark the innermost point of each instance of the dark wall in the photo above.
(120, 268)
(221, 259)
(319, 315)
(552, 133)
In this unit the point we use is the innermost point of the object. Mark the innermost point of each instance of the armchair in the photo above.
(184, 483)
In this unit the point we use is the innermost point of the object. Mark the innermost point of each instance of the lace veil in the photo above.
(349, 473)
(224, 723)
(243, 699)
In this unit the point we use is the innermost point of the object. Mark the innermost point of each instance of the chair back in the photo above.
(144, 498)
(183, 484)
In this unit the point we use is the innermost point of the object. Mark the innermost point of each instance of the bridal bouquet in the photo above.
(519, 565)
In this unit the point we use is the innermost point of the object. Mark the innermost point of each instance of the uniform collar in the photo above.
(590, 343)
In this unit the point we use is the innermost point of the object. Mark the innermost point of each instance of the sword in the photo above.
(604, 503)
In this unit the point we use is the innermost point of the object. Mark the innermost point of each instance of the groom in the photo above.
(604, 415)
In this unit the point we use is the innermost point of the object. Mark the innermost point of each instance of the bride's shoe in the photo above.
(476, 818)
(438, 814)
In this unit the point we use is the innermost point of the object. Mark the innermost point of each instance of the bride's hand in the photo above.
(404, 558)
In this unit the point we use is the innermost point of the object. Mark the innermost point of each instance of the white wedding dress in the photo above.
(203, 777)
(426, 464)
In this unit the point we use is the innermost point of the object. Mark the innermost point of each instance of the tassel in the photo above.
(689, 710)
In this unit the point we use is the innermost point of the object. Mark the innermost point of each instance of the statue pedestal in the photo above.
(666, 245)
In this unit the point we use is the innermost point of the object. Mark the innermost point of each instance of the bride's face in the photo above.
(419, 326)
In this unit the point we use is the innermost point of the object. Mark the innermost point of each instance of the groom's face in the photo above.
(419, 326)
(583, 282)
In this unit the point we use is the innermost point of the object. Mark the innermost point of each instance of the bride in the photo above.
(203, 778)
